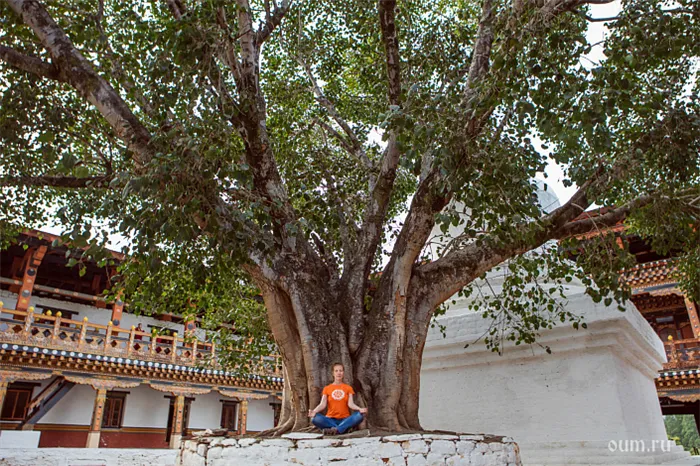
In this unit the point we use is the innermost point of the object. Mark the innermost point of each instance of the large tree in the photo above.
(315, 145)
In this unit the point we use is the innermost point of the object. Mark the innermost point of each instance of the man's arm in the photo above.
(352, 405)
(321, 406)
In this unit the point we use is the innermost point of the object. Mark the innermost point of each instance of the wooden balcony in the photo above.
(682, 354)
(52, 332)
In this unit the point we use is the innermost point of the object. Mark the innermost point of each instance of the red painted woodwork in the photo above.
(118, 439)
(64, 438)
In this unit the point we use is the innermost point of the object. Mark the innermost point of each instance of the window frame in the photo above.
(232, 405)
(108, 413)
(17, 388)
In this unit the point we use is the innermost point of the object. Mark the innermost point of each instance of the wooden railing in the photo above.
(682, 354)
(54, 332)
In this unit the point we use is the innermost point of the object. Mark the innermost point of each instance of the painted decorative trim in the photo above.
(102, 384)
(11, 376)
(180, 390)
(685, 398)
(243, 395)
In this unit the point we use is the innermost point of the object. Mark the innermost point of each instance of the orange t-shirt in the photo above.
(337, 396)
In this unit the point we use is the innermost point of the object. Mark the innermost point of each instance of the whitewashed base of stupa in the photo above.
(403, 450)
(596, 387)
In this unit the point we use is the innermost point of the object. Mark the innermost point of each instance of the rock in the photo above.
(190, 445)
(246, 442)
(471, 437)
(190, 458)
(434, 459)
(465, 447)
(277, 442)
(402, 437)
(443, 447)
(214, 453)
(384, 450)
(302, 436)
(319, 443)
(338, 453)
(415, 446)
(440, 437)
(393, 450)
(459, 460)
(216, 441)
(359, 441)
(307, 456)
(416, 460)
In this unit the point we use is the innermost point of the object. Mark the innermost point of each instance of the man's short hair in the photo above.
(337, 364)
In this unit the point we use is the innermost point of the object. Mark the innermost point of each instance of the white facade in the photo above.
(597, 386)
(144, 407)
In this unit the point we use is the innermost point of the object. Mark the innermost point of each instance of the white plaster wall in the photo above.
(597, 385)
(74, 408)
(205, 413)
(639, 404)
(260, 415)
(146, 407)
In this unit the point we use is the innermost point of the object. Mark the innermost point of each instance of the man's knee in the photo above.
(317, 420)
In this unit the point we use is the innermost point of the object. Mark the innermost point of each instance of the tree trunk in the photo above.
(304, 312)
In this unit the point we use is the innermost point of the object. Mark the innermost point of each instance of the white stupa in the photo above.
(585, 403)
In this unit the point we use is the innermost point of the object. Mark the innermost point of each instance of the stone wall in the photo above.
(312, 450)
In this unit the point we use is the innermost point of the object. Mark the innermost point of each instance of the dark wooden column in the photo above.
(93, 440)
(29, 277)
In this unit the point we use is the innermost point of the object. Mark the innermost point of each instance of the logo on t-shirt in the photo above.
(338, 394)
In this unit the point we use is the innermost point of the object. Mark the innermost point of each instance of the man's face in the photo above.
(338, 373)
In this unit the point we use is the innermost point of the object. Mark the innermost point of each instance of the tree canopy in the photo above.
(313, 146)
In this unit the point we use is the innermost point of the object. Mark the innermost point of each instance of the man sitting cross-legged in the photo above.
(338, 397)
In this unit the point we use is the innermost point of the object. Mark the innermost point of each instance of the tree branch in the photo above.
(30, 64)
(77, 71)
(460, 267)
(272, 21)
(608, 219)
(354, 147)
(100, 182)
(479, 66)
(387, 21)
(177, 8)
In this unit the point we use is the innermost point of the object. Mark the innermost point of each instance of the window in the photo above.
(228, 415)
(17, 400)
(114, 410)
(276, 411)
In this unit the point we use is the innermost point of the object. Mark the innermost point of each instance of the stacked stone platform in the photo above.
(420, 449)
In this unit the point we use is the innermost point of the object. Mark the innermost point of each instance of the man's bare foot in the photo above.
(330, 431)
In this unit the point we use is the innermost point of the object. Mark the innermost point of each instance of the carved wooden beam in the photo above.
(102, 384)
(180, 390)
